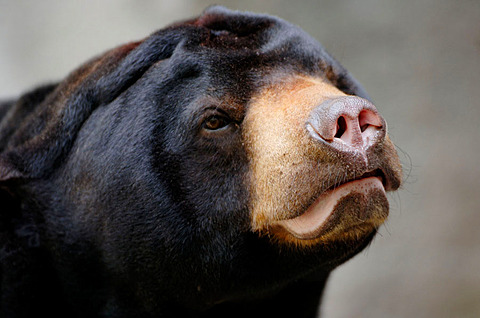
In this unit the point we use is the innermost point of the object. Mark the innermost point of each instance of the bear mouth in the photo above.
(356, 205)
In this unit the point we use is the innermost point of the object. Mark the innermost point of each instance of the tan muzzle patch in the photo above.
(289, 168)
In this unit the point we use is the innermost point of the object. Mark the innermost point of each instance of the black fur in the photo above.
(115, 203)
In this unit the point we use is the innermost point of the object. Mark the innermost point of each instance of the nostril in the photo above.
(367, 118)
(341, 127)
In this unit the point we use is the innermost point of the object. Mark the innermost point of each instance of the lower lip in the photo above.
(309, 224)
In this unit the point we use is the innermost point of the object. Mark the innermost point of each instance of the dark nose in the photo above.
(348, 121)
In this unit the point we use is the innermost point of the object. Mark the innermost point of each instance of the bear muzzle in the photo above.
(321, 164)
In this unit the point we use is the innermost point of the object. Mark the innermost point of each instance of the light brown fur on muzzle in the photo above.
(290, 169)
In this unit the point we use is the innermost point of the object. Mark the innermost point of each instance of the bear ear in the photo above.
(35, 136)
(8, 171)
(12, 114)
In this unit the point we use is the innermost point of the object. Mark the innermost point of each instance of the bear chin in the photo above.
(350, 212)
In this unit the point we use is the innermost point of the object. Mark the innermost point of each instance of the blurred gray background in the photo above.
(420, 62)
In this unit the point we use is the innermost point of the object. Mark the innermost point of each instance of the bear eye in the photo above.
(216, 122)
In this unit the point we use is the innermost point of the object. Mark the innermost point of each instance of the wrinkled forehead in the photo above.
(250, 42)
(243, 51)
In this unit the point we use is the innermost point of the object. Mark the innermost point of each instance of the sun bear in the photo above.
(221, 167)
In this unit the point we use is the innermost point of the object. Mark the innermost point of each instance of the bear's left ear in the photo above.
(35, 139)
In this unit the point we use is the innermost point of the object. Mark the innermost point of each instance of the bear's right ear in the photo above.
(13, 114)
(8, 171)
